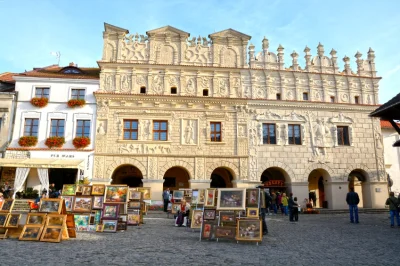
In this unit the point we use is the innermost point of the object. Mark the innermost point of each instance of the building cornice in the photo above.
(169, 155)
(58, 80)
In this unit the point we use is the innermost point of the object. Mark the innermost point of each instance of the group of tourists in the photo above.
(288, 206)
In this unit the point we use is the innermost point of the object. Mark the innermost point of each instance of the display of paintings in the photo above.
(97, 202)
(178, 194)
(110, 226)
(210, 197)
(56, 220)
(227, 217)
(52, 234)
(7, 205)
(31, 232)
(51, 205)
(197, 219)
(36, 218)
(249, 230)
(252, 197)
(228, 232)
(98, 190)
(134, 205)
(13, 220)
(188, 199)
(134, 218)
(3, 219)
(206, 231)
(195, 196)
(209, 214)
(110, 211)
(87, 191)
(231, 199)
(65, 235)
(252, 212)
(134, 194)
(3, 233)
(69, 201)
(201, 197)
(79, 189)
(146, 192)
(83, 204)
(99, 228)
(116, 194)
(123, 218)
(81, 222)
(122, 226)
(68, 190)
(175, 208)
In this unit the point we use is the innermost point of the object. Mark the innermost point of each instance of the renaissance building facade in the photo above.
(182, 112)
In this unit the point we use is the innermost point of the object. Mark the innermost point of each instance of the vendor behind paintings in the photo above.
(263, 211)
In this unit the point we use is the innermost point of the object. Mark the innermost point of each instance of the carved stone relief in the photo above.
(102, 128)
(142, 148)
(189, 131)
(125, 84)
(152, 168)
(200, 168)
(145, 129)
(190, 85)
(243, 169)
(158, 85)
(109, 85)
(98, 166)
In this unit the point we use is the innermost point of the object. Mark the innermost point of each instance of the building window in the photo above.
(332, 99)
(174, 90)
(142, 89)
(31, 127)
(78, 94)
(205, 92)
(83, 128)
(278, 96)
(160, 130)
(269, 136)
(305, 96)
(215, 131)
(343, 135)
(57, 128)
(357, 100)
(131, 129)
(294, 134)
(42, 92)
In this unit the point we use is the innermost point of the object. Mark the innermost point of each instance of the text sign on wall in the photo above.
(274, 183)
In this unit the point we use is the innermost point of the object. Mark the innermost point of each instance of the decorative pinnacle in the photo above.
(358, 55)
(294, 54)
(370, 50)
(333, 52)
(346, 59)
(306, 50)
(280, 48)
(320, 45)
(251, 46)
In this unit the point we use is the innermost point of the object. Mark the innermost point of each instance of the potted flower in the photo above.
(76, 103)
(39, 102)
(27, 141)
(81, 142)
(55, 142)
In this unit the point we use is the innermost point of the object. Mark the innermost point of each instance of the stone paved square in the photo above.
(325, 239)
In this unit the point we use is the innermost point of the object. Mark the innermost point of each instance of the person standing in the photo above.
(285, 203)
(263, 211)
(290, 206)
(352, 200)
(166, 199)
(7, 190)
(295, 210)
(393, 209)
(273, 202)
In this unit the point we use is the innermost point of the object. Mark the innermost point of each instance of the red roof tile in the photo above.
(387, 125)
(7, 77)
(55, 71)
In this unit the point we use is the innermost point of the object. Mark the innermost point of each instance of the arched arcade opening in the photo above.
(127, 174)
(277, 180)
(221, 178)
(318, 190)
(176, 178)
(358, 180)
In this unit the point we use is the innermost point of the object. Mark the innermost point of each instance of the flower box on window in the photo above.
(27, 141)
(55, 142)
(39, 102)
(81, 142)
(76, 103)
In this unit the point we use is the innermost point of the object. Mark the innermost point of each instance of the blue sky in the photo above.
(32, 29)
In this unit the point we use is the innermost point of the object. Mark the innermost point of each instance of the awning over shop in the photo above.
(41, 163)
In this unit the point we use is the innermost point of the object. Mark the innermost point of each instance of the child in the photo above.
(295, 209)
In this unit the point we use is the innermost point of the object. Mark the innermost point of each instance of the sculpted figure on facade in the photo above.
(259, 134)
(320, 130)
(190, 88)
(125, 84)
(145, 129)
(101, 130)
(157, 84)
(109, 84)
(189, 133)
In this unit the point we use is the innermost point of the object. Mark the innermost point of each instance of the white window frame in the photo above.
(40, 86)
(76, 88)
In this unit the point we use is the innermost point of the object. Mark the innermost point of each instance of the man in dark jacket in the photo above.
(264, 210)
(352, 200)
(290, 205)
(393, 209)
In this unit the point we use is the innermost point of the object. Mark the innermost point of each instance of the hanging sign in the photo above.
(274, 183)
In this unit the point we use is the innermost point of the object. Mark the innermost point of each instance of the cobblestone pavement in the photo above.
(314, 240)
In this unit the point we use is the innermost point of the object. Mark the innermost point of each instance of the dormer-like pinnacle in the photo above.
(265, 44)
(294, 55)
(320, 49)
(251, 47)
(333, 53)
(358, 55)
(371, 54)
(280, 48)
(307, 50)
(346, 59)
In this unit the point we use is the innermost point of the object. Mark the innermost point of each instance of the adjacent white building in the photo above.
(392, 155)
(37, 165)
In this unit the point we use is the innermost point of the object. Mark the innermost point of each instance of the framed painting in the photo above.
(248, 230)
(146, 192)
(99, 228)
(68, 190)
(228, 232)
(134, 218)
(178, 194)
(135, 195)
(98, 190)
(81, 222)
(51, 205)
(97, 202)
(202, 196)
(110, 211)
(31, 233)
(206, 231)
(195, 196)
(188, 199)
(252, 212)
(231, 199)
(52, 234)
(69, 201)
(79, 189)
(56, 220)
(3, 219)
(36, 218)
(87, 190)
(134, 205)
(175, 208)
(262, 203)
(252, 197)
(123, 218)
(122, 226)
(210, 197)
(209, 214)
(3, 233)
(116, 194)
(227, 217)
(110, 226)
(83, 204)
(7, 205)
(12, 221)
(197, 219)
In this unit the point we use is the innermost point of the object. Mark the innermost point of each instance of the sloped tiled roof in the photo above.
(55, 71)
(386, 124)
(7, 77)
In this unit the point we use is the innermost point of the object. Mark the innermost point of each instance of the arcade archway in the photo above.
(277, 180)
(358, 180)
(318, 191)
(176, 178)
(221, 178)
(127, 174)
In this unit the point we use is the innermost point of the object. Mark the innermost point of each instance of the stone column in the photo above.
(300, 190)
(199, 184)
(245, 184)
(374, 194)
(337, 197)
(156, 186)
